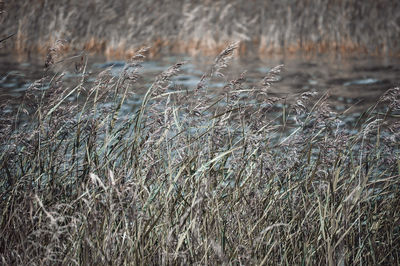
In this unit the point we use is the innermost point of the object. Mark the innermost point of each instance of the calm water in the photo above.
(350, 81)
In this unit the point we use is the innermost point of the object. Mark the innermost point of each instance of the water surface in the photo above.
(356, 81)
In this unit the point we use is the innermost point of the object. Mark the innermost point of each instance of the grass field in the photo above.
(118, 28)
(194, 177)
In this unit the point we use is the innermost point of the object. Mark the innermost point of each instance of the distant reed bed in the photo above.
(193, 177)
(353, 26)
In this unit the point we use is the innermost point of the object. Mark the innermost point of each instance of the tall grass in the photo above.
(204, 26)
(194, 177)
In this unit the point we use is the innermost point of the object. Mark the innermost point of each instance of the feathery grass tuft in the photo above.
(193, 177)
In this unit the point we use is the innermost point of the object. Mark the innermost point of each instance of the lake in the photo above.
(351, 81)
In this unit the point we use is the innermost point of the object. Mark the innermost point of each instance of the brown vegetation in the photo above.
(195, 178)
(114, 27)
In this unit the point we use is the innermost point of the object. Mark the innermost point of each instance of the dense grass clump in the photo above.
(193, 177)
(191, 26)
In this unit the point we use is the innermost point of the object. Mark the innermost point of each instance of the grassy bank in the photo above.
(355, 26)
(193, 177)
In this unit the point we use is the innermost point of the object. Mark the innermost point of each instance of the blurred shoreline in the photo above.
(118, 28)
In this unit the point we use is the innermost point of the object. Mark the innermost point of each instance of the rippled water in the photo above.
(350, 81)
